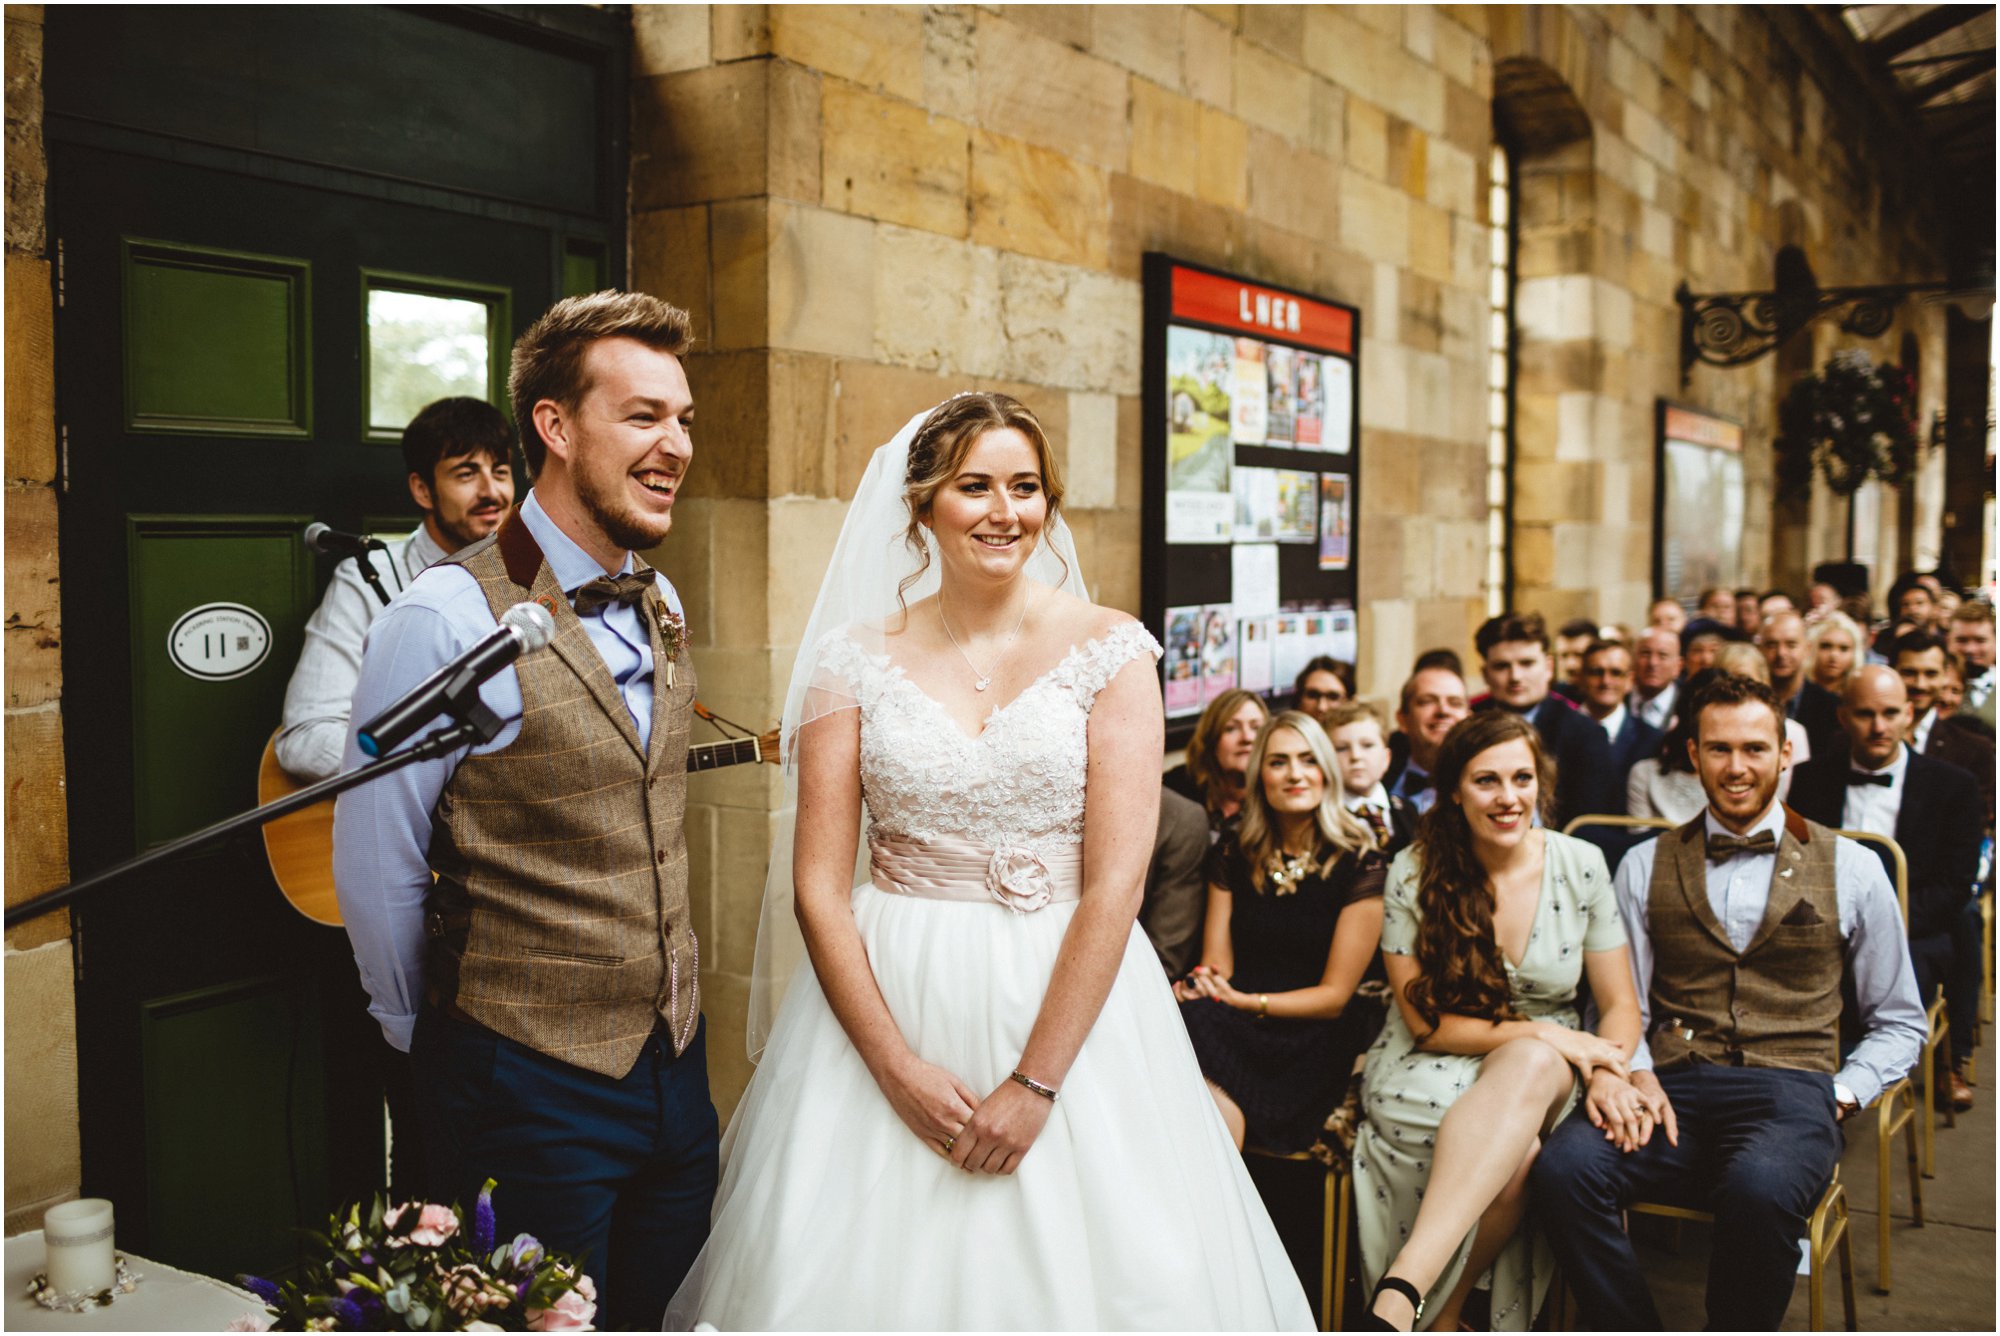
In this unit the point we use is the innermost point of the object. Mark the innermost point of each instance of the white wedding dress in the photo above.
(1131, 1211)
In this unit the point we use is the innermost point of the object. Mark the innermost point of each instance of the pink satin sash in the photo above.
(1020, 878)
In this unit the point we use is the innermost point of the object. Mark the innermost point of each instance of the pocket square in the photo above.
(1802, 915)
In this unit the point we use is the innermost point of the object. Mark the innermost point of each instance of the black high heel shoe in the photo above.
(1371, 1322)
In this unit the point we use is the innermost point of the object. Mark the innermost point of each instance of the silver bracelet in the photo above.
(1048, 1093)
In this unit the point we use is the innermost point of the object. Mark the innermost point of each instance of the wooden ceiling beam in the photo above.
(1950, 79)
(1935, 23)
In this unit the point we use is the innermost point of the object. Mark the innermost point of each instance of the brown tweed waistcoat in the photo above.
(1777, 1002)
(560, 915)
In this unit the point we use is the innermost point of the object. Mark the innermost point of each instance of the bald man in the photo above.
(1782, 641)
(1877, 783)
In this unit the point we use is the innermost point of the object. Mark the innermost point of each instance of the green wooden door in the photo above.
(277, 232)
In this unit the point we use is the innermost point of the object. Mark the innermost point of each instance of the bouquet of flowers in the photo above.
(419, 1267)
(1852, 420)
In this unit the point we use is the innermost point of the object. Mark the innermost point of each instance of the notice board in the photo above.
(1251, 435)
(1698, 527)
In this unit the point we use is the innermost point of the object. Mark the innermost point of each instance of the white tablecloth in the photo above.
(166, 1300)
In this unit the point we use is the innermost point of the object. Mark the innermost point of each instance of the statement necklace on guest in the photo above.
(1285, 873)
(982, 680)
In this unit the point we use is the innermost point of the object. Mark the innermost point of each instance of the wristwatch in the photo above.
(1844, 1100)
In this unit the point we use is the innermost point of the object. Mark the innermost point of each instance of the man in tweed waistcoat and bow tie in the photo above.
(546, 984)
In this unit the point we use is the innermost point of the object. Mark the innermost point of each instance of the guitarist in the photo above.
(456, 452)
(547, 987)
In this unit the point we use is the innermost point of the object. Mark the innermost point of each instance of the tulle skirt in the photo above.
(1132, 1210)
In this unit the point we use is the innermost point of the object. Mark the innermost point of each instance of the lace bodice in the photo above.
(1019, 782)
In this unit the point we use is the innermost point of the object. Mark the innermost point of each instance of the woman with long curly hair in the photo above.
(1488, 924)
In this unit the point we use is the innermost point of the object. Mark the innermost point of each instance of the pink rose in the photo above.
(1018, 879)
(249, 1322)
(434, 1224)
(468, 1291)
(572, 1312)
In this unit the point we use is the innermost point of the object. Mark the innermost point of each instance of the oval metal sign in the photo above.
(219, 641)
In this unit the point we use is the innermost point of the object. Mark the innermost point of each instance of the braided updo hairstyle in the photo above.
(938, 452)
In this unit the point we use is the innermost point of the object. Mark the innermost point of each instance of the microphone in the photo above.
(334, 543)
(523, 628)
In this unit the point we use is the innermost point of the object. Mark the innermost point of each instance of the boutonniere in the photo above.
(673, 635)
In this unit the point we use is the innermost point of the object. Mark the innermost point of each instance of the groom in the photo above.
(546, 984)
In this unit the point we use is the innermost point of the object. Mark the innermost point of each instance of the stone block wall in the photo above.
(44, 1158)
(870, 207)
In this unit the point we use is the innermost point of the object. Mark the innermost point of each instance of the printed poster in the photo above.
(1254, 643)
(1291, 648)
(1309, 413)
(1298, 506)
(1249, 403)
(1218, 651)
(1200, 372)
(1256, 500)
(1336, 522)
(1342, 641)
(1253, 572)
(1283, 410)
(1184, 636)
(1339, 379)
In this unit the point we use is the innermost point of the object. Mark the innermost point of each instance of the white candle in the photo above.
(78, 1234)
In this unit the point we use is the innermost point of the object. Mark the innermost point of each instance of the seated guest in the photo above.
(1361, 750)
(1919, 659)
(1217, 752)
(1880, 784)
(1607, 674)
(1821, 599)
(1488, 926)
(1665, 785)
(1446, 659)
(1698, 648)
(1911, 608)
(1575, 636)
(1742, 660)
(1323, 686)
(1782, 640)
(1771, 602)
(1970, 636)
(1716, 605)
(1656, 671)
(1836, 644)
(1294, 915)
(1742, 924)
(1667, 614)
(1176, 894)
(1433, 700)
(1748, 616)
(1515, 650)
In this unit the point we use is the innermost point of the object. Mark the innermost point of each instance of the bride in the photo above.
(977, 1108)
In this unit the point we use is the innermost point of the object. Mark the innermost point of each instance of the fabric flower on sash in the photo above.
(1018, 878)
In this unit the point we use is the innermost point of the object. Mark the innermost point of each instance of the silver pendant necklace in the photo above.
(981, 680)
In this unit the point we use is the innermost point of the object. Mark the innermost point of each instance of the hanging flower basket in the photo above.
(1849, 421)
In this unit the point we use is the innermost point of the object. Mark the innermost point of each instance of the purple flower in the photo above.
(262, 1288)
(482, 1221)
(349, 1315)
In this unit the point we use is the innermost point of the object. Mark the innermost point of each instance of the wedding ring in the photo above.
(949, 1142)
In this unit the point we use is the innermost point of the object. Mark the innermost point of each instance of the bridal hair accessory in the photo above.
(1018, 879)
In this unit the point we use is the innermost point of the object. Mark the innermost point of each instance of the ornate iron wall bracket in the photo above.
(1732, 328)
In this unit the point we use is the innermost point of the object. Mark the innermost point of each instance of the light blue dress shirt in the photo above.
(1871, 924)
(382, 830)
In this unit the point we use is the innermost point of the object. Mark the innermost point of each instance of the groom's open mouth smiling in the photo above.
(656, 483)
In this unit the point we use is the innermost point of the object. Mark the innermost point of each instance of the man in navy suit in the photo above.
(1514, 653)
(1879, 783)
(1782, 639)
(1607, 678)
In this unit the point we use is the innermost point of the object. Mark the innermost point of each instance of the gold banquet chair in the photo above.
(1336, 1218)
(1895, 1111)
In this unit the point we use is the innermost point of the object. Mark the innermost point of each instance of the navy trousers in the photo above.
(1758, 1146)
(620, 1172)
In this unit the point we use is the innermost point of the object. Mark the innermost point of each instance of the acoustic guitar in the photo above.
(300, 845)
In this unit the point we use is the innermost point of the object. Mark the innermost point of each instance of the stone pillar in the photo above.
(44, 1158)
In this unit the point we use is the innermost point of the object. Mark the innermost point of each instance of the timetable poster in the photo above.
(1201, 368)
(1185, 627)
(1283, 396)
(1218, 651)
(1336, 522)
(1309, 402)
(1338, 376)
(1298, 507)
(1254, 663)
(1249, 404)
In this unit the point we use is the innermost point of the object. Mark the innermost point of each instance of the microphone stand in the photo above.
(368, 571)
(472, 723)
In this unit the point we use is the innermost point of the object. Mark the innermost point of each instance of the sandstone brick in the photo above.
(44, 1162)
(1166, 137)
(1409, 158)
(1367, 138)
(1068, 24)
(1374, 219)
(1385, 389)
(1131, 452)
(1208, 69)
(739, 245)
(1292, 188)
(669, 250)
(30, 379)
(1278, 256)
(725, 1001)
(802, 535)
(1037, 201)
(1326, 132)
(801, 400)
(1147, 217)
(27, 162)
(743, 581)
(1039, 90)
(1223, 160)
(871, 404)
(737, 32)
(1338, 46)
(1451, 179)
(1230, 16)
(740, 858)
(725, 132)
(890, 160)
(1073, 328)
(1551, 492)
(949, 80)
(1430, 242)
(1145, 39)
(1271, 91)
(1468, 119)
(1279, 28)
(37, 822)
(937, 303)
(1092, 458)
(876, 46)
(822, 270)
(792, 129)
(33, 577)
(668, 38)
(732, 445)
(1455, 51)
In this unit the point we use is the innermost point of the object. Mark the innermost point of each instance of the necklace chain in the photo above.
(981, 680)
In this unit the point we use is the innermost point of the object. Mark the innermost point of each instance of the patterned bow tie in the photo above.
(624, 590)
(1724, 847)
(1884, 778)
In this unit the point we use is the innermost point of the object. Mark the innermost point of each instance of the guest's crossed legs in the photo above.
(620, 1171)
(1757, 1147)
